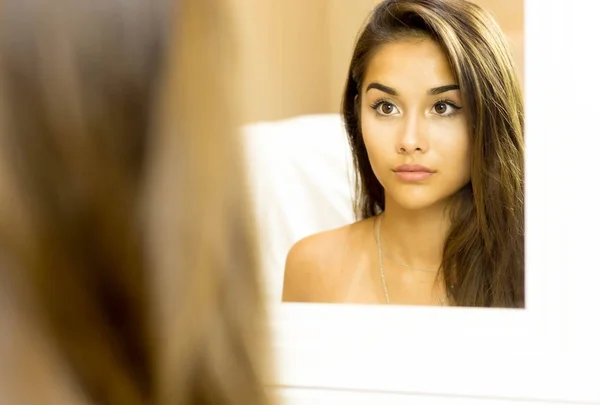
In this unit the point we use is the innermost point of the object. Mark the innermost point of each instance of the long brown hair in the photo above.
(131, 249)
(483, 258)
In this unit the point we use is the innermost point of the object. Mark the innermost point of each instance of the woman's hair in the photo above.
(124, 225)
(483, 258)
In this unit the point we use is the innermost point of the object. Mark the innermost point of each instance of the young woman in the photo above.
(127, 268)
(434, 115)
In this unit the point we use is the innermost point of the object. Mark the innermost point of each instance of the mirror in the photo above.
(302, 162)
(329, 352)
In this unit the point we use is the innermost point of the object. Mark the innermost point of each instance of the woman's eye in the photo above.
(440, 108)
(385, 108)
(445, 108)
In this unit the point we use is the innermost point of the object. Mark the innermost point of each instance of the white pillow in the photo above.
(302, 182)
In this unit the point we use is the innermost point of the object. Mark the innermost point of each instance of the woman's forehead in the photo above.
(410, 62)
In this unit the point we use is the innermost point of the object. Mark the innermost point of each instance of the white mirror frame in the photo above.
(549, 351)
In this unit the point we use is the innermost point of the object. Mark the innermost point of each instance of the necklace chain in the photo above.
(384, 253)
(381, 271)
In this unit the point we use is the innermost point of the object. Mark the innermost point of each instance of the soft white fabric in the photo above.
(301, 177)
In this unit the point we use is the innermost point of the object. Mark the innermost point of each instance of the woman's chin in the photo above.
(416, 202)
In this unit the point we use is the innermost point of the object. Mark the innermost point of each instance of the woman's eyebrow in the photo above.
(443, 89)
(384, 88)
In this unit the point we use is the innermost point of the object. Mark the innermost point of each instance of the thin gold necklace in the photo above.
(381, 271)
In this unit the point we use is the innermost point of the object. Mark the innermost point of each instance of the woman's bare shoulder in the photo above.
(312, 262)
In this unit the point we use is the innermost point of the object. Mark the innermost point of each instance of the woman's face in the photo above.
(414, 124)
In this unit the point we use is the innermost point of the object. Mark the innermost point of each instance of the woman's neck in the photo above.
(414, 237)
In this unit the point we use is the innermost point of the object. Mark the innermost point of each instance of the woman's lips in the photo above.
(413, 173)
(413, 176)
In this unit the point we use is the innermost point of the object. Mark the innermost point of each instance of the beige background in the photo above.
(295, 54)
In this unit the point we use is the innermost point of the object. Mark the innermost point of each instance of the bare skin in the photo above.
(342, 266)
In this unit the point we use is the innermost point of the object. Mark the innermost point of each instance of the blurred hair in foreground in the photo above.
(128, 271)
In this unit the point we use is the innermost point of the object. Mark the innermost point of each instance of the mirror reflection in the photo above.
(414, 194)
